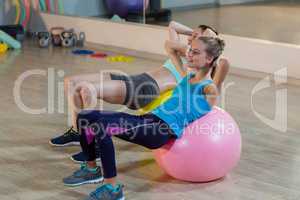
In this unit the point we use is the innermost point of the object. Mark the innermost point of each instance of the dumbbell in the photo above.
(56, 35)
(68, 38)
(44, 39)
(81, 39)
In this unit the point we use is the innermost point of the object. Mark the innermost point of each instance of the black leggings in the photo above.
(97, 127)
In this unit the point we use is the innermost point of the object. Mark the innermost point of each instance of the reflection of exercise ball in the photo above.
(137, 6)
(123, 7)
(209, 149)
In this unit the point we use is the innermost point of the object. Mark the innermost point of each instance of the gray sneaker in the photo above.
(84, 176)
(107, 192)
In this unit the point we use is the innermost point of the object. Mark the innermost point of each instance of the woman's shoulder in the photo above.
(211, 93)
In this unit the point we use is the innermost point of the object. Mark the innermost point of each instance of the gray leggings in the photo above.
(141, 89)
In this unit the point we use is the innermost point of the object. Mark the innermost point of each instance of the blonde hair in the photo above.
(214, 46)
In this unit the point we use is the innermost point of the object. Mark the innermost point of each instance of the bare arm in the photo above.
(211, 94)
(221, 72)
(175, 51)
(176, 28)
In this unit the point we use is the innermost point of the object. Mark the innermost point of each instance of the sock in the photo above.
(93, 170)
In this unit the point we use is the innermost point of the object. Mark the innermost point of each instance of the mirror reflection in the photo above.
(262, 19)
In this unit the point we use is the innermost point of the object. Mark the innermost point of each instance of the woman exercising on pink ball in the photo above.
(82, 90)
(191, 99)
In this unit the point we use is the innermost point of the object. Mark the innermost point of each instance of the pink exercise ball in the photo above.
(209, 149)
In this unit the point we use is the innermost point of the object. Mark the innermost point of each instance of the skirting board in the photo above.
(244, 53)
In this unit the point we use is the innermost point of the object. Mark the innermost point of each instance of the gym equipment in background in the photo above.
(56, 35)
(3, 48)
(43, 5)
(82, 52)
(120, 58)
(99, 55)
(80, 39)
(44, 39)
(48, 5)
(68, 38)
(10, 41)
(27, 13)
(154, 13)
(157, 14)
(123, 8)
(60, 7)
(16, 31)
(56, 7)
(18, 11)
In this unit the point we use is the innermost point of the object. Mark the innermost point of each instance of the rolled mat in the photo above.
(10, 41)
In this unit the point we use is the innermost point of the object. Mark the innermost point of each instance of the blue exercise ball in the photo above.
(123, 7)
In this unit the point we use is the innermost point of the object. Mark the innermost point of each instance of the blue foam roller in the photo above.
(10, 41)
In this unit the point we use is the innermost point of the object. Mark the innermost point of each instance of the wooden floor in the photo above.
(31, 170)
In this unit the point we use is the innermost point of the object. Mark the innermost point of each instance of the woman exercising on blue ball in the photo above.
(131, 90)
(191, 99)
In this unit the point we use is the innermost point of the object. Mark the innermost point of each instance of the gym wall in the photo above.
(173, 4)
(82, 8)
(177, 4)
(227, 2)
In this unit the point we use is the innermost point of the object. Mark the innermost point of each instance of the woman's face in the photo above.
(197, 56)
(198, 32)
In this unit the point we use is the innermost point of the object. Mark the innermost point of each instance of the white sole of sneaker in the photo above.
(79, 162)
(75, 161)
(123, 198)
(65, 145)
(96, 181)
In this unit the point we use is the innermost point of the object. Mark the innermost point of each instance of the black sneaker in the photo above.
(81, 158)
(71, 137)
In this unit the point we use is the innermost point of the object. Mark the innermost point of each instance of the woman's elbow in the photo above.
(171, 24)
(168, 47)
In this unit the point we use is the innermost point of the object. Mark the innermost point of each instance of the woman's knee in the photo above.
(72, 80)
(69, 80)
(69, 83)
(87, 94)
(66, 84)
